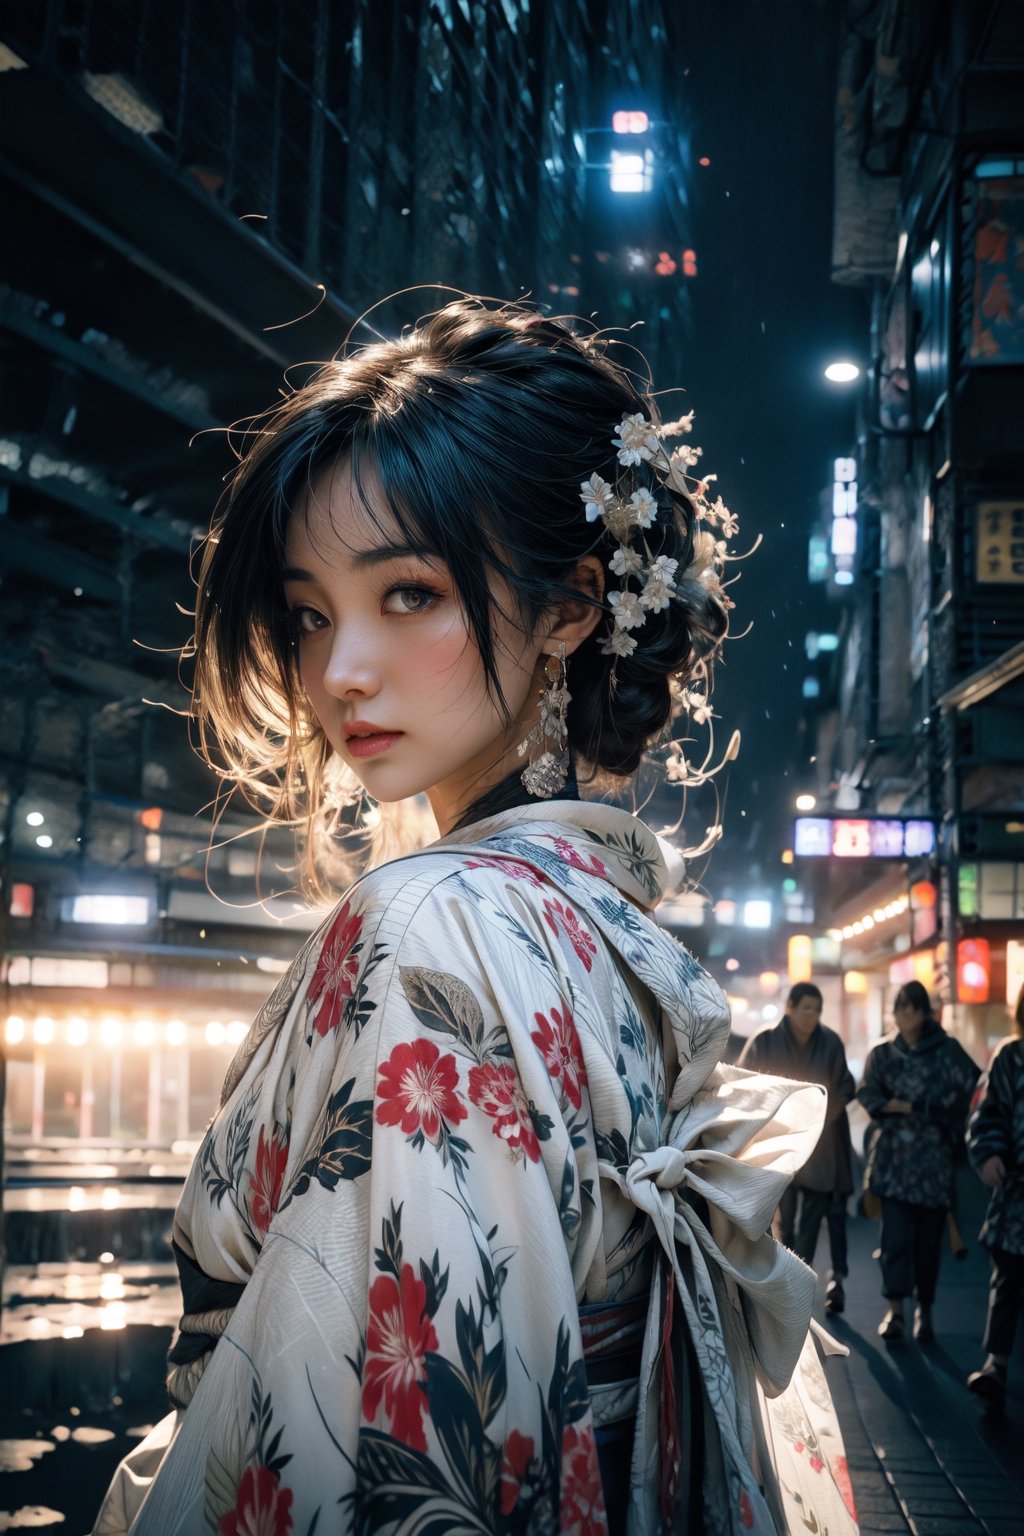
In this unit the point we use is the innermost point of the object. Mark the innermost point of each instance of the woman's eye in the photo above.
(409, 600)
(306, 621)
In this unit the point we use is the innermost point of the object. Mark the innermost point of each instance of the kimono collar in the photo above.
(588, 835)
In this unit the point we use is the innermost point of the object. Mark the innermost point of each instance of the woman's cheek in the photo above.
(447, 660)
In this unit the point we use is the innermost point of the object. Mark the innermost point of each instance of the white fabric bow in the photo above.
(736, 1146)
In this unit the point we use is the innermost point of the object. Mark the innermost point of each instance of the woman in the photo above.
(475, 1242)
(801, 1046)
(995, 1146)
(917, 1087)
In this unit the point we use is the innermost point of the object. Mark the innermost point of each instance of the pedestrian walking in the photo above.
(995, 1146)
(801, 1047)
(917, 1088)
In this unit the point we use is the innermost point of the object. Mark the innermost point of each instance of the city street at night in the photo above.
(512, 620)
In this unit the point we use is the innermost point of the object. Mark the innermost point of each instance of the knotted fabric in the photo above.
(731, 1152)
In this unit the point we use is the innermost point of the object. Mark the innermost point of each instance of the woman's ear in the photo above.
(575, 619)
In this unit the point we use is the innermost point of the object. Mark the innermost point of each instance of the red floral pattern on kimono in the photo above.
(515, 1469)
(418, 1089)
(559, 1044)
(572, 856)
(841, 1474)
(564, 920)
(581, 1501)
(336, 971)
(267, 1182)
(498, 1092)
(508, 867)
(262, 1506)
(398, 1338)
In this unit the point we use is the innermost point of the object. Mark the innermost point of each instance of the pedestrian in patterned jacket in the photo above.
(995, 1145)
(917, 1086)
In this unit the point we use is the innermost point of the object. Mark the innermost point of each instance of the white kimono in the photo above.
(478, 1189)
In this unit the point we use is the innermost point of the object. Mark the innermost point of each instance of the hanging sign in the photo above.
(862, 837)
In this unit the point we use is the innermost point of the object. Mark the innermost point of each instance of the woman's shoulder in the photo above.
(1008, 1057)
(957, 1052)
(465, 897)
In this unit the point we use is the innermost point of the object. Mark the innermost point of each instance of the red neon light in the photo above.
(973, 970)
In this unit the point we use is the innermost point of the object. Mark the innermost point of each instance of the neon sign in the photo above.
(862, 837)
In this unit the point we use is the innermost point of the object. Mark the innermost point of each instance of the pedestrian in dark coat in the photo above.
(995, 1146)
(802, 1047)
(917, 1087)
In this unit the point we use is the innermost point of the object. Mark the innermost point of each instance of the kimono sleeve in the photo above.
(407, 1353)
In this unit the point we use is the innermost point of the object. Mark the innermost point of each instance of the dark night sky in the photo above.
(766, 318)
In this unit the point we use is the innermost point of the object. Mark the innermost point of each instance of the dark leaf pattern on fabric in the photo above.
(568, 1209)
(258, 1504)
(620, 914)
(613, 1148)
(360, 1007)
(445, 1004)
(461, 1399)
(345, 1144)
(636, 853)
(236, 1138)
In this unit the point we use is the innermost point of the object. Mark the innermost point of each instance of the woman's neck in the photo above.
(508, 793)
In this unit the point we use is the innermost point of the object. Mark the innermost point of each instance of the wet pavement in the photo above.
(84, 1338)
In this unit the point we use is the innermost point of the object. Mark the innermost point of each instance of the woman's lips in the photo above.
(371, 745)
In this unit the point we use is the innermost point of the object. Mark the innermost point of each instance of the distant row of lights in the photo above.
(114, 1032)
(871, 919)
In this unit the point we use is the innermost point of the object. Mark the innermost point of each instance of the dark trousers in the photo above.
(798, 1222)
(1005, 1299)
(911, 1243)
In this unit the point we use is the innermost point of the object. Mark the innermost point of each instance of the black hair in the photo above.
(800, 990)
(913, 995)
(478, 426)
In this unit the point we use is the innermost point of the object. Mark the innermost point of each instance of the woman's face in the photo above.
(909, 1021)
(390, 669)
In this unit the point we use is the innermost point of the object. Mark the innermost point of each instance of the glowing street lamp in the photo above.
(842, 372)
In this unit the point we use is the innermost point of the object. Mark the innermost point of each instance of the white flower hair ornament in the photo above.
(647, 583)
(628, 510)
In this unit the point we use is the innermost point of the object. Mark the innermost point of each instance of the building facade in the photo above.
(198, 199)
(921, 716)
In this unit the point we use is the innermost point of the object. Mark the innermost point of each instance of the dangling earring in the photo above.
(548, 742)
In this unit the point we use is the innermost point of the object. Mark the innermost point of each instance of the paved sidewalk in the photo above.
(924, 1456)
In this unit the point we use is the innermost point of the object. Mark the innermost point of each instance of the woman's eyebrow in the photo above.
(364, 557)
(381, 552)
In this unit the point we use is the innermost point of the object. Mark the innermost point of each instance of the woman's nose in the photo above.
(351, 671)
